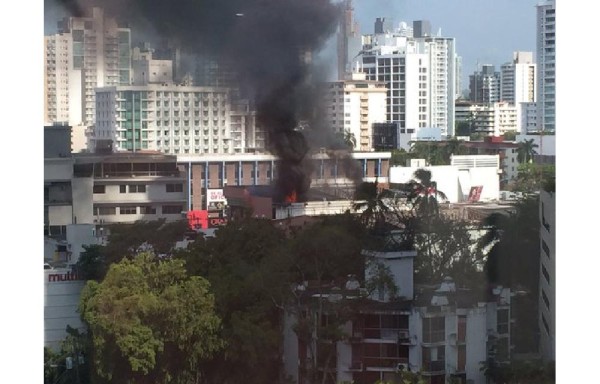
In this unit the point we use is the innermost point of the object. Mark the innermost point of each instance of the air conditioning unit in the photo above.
(402, 367)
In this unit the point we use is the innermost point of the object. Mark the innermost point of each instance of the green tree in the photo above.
(512, 248)
(453, 147)
(510, 136)
(126, 240)
(525, 151)
(370, 200)
(431, 152)
(247, 264)
(400, 157)
(462, 128)
(92, 262)
(532, 177)
(520, 371)
(150, 322)
(423, 194)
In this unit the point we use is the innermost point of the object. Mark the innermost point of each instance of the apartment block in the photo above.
(354, 105)
(546, 61)
(484, 85)
(443, 332)
(419, 73)
(518, 79)
(86, 53)
(176, 119)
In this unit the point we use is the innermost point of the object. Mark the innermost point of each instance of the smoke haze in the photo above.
(269, 43)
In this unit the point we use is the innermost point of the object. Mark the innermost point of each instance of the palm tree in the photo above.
(525, 151)
(370, 201)
(423, 194)
(349, 139)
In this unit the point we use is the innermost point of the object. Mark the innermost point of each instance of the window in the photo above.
(174, 187)
(99, 189)
(147, 210)
(137, 188)
(172, 209)
(434, 330)
(104, 211)
(546, 274)
(503, 321)
(122, 188)
(545, 298)
(545, 248)
(546, 327)
(127, 210)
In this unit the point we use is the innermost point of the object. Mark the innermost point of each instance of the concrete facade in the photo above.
(354, 105)
(456, 180)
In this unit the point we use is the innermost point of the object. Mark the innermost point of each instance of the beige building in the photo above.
(353, 105)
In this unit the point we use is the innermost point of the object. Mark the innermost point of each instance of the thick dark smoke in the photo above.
(269, 43)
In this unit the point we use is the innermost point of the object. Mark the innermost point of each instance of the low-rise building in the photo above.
(443, 332)
(467, 178)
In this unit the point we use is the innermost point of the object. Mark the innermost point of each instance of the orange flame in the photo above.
(291, 198)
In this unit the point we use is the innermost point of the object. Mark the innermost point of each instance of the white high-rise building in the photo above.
(173, 119)
(546, 43)
(147, 70)
(354, 105)
(517, 79)
(62, 90)
(420, 74)
(527, 114)
(87, 52)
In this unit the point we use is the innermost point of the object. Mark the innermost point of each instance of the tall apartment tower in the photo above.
(94, 52)
(62, 90)
(420, 75)
(348, 40)
(545, 45)
(517, 79)
(484, 85)
(354, 105)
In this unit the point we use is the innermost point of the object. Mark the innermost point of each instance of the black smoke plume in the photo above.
(268, 42)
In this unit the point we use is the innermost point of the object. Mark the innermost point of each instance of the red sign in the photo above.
(197, 219)
(69, 276)
(475, 194)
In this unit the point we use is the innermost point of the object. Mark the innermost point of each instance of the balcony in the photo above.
(383, 364)
(433, 367)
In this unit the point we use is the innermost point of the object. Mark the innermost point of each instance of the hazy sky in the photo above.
(488, 31)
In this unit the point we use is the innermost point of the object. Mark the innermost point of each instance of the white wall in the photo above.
(401, 267)
(476, 344)
(61, 299)
(344, 356)
(547, 147)
(455, 186)
(79, 235)
(156, 192)
(82, 199)
(58, 169)
(60, 214)
(290, 346)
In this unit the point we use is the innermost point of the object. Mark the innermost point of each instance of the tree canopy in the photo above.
(150, 322)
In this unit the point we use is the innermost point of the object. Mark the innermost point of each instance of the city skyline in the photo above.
(479, 40)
